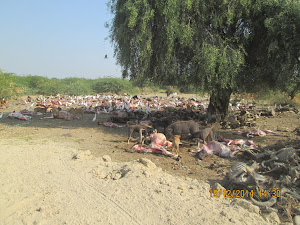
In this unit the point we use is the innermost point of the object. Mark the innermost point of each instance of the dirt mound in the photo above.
(44, 184)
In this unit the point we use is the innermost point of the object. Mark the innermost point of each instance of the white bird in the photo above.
(94, 119)
(104, 110)
(1, 115)
(29, 107)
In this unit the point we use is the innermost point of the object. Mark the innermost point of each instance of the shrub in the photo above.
(114, 85)
(8, 86)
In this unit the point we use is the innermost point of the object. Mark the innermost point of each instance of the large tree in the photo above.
(219, 46)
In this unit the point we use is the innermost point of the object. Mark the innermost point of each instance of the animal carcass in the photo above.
(216, 148)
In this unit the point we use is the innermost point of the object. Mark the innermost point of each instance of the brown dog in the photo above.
(75, 111)
(55, 112)
(175, 144)
(138, 128)
(3, 102)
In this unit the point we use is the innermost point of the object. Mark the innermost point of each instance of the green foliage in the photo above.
(113, 85)
(273, 45)
(77, 86)
(12, 85)
(9, 88)
(275, 97)
(178, 42)
(217, 46)
(171, 89)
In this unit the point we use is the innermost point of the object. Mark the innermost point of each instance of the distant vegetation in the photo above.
(12, 85)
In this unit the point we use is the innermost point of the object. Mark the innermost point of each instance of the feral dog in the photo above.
(3, 102)
(55, 111)
(175, 144)
(139, 128)
(41, 110)
(205, 134)
(75, 111)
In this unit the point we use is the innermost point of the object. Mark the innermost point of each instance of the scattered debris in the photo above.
(110, 124)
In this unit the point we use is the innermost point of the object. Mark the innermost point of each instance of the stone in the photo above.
(148, 163)
(83, 155)
(246, 205)
(218, 187)
(106, 158)
(296, 220)
(116, 176)
(272, 218)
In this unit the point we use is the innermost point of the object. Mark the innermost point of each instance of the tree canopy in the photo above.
(218, 46)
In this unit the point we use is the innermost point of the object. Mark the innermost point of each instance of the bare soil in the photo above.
(100, 140)
(57, 136)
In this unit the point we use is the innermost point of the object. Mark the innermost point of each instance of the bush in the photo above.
(171, 89)
(9, 88)
(114, 85)
(77, 86)
(275, 97)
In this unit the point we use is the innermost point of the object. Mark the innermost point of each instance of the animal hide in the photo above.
(217, 148)
(64, 115)
(157, 145)
(19, 116)
(259, 132)
(239, 142)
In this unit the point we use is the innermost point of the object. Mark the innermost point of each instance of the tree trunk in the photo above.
(218, 104)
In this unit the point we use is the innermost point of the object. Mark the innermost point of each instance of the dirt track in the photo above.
(41, 183)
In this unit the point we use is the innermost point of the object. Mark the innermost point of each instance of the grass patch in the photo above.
(277, 97)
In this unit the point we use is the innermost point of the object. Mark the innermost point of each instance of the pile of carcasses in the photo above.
(273, 176)
(247, 114)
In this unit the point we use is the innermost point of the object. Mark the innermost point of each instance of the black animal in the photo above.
(182, 128)
(163, 122)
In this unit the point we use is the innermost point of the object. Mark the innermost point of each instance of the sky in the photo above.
(56, 38)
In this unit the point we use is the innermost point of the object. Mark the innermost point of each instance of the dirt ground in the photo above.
(60, 137)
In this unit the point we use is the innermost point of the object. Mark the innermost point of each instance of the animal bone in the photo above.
(293, 194)
(267, 209)
(272, 201)
(239, 171)
(278, 158)
(239, 142)
(284, 155)
(109, 124)
(259, 132)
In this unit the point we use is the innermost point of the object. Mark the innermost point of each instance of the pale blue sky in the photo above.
(56, 38)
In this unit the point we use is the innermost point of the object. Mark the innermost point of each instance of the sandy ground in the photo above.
(43, 182)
